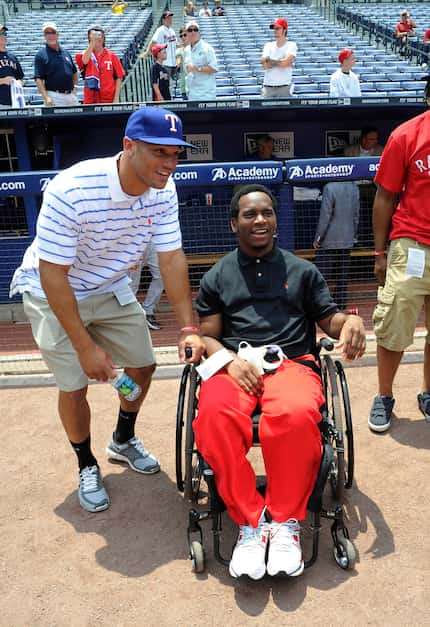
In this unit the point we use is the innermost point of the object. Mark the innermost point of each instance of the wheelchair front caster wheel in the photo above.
(344, 554)
(197, 556)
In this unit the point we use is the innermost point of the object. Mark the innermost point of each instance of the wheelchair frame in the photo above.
(336, 467)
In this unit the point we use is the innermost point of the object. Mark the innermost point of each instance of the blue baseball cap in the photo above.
(155, 125)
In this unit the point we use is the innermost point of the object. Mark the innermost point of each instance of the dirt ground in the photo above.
(61, 566)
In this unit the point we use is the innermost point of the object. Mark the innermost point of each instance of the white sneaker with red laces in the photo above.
(249, 554)
(285, 553)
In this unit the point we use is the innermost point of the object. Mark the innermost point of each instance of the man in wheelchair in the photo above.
(261, 296)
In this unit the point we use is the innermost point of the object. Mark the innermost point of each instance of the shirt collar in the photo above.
(272, 257)
(115, 189)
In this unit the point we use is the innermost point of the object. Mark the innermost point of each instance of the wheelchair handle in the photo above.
(325, 343)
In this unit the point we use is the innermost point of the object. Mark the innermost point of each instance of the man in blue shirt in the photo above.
(10, 70)
(55, 72)
(201, 66)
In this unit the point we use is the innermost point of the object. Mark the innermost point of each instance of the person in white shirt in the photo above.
(205, 10)
(96, 219)
(165, 35)
(344, 83)
(277, 59)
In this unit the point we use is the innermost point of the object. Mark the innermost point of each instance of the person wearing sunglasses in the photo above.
(10, 70)
(201, 66)
(55, 72)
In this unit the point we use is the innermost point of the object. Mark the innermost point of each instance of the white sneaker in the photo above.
(249, 554)
(285, 553)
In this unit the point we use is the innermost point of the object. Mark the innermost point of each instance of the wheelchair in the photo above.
(336, 466)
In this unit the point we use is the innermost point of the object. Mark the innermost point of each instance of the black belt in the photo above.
(276, 86)
(61, 91)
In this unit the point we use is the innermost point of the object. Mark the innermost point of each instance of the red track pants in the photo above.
(289, 436)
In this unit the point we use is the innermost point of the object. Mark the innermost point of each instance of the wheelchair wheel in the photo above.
(179, 427)
(334, 417)
(193, 462)
(344, 554)
(348, 432)
(197, 557)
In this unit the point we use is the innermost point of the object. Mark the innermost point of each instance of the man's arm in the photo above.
(174, 271)
(118, 83)
(96, 363)
(41, 87)
(383, 209)
(349, 330)
(245, 374)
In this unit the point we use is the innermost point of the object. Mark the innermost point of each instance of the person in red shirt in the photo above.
(426, 38)
(406, 26)
(101, 68)
(403, 271)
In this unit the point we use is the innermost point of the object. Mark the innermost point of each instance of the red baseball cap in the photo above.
(158, 48)
(344, 54)
(280, 22)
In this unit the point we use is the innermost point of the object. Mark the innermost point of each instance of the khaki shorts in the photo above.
(401, 298)
(120, 330)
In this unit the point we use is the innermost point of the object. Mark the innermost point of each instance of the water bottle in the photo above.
(125, 385)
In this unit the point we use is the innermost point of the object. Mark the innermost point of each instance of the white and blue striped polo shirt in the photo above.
(88, 223)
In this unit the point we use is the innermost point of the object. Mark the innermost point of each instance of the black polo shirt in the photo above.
(56, 68)
(275, 299)
(9, 66)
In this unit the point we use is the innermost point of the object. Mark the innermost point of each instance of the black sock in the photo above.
(125, 426)
(84, 453)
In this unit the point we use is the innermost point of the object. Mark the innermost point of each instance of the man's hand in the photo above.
(7, 80)
(96, 363)
(352, 338)
(380, 269)
(316, 245)
(49, 102)
(194, 343)
(246, 375)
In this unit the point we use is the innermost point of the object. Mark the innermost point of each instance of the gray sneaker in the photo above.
(424, 404)
(134, 454)
(380, 414)
(92, 494)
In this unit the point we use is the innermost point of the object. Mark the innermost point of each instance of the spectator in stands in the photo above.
(10, 70)
(205, 10)
(76, 291)
(344, 83)
(264, 295)
(367, 145)
(189, 9)
(406, 27)
(55, 72)
(155, 290)
(218, 9)
(401, 222)
(159, 75)
(426, 38)
(118, 7)
(101, 69)
(201, 66)
(277, 60)
(180, 50)
(165, 35)
(335, 235)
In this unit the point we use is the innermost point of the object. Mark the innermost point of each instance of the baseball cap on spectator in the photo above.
(280, 22)
(3, 28)
(99, 29)
(49, 26)
(192, 24)
(344, 54)
(405, 12)
(167, 14)
(155, 125)
(157, 48)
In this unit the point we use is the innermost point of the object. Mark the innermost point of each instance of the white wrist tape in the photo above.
(215, 362)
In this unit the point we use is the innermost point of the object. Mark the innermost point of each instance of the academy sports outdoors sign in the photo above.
(230, 173)
(344, 169)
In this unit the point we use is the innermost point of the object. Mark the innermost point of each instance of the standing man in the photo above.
(344, 83)
(101, 68)
(165, 35)
(55, 72)
(76, 292)
(367, 145)
(278, 59)
(406, 27)
(403, 270)
(201, 66)
(10, 70)
(335, 235)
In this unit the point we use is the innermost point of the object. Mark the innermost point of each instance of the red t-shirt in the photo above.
(403, 27)
(427, 34)
(405, 167)
(109, 70)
